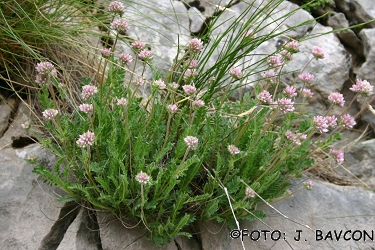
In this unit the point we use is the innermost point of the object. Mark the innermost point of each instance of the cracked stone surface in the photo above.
(31, 217)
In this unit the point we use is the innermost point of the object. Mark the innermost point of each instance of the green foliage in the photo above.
(310, 5)
(138, 163)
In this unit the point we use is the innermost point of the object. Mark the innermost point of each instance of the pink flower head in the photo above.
(308, 185)
(160, 84)
(287, 55)
(195, 45)
(321, 123)
(86, 108)
(337, 99)
(347, 121)
(173, 108)
(120, 25)
(292, 46)
(191, 142)
(265, 97)
(125, 58)
(45, 71)
(142, 178)
(50, 113)
(236, 73)
(338, 154)
(191, 63)
(86, 139)
(198, 103)
(290, 91)
(233, 150)
(189, 89)
(331, 121)
(274, 61)
(307, 93)
(189, 73)
(145, 55)
(174, 85)
(88, 90)
(122, 101)
(116, 7)
(250, 193)
(363, 87)
(306, 77)
(26, 125)
(138, 45)
(317, 52)
(285, 105)
(138, 82)
(46, 68)
(269, 76)
(106, 52)
(295, 138)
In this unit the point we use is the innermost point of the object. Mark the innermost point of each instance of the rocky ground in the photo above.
(342, 198)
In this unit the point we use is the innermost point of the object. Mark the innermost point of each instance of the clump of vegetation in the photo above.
(188, 151)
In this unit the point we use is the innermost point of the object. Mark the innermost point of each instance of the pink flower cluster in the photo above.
(189, 89)
(145, 55)
(191, 142)
(290, 91)
(233, 150)
(138, 82)
(274, 61)
(125, 58)
(106, 52)
(160, 84)
(321, 123)
(45, 70)
(86, 139)
(265, 97)
(363, 87)
(270, 76)
(116, 7)
(306, 77)
(50, 113)
(142, 178)
(317, 52)
(347, 121)
(236, 73)
(172, 108)
(285, 105)
(308, 185)
(122, 101)
(295, 138)
(292, 46)
(86, 108)
(198, 103)
(119, 25)
(195, 45)
(250, 193)
(337, 99)
(138, 45)
(307, 93)
(88, 90)
(189, 73)
(191, 63)
(338, 154)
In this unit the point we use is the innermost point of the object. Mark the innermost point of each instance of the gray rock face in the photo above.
(196, 20)
(359, 161)
(28, 208)
(358, 11)
(324, 209)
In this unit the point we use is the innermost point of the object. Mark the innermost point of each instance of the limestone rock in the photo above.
(196, 20)
(28, 208)
(357, 11)
(327, 208)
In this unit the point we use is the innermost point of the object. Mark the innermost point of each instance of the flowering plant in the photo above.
(186, 151)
